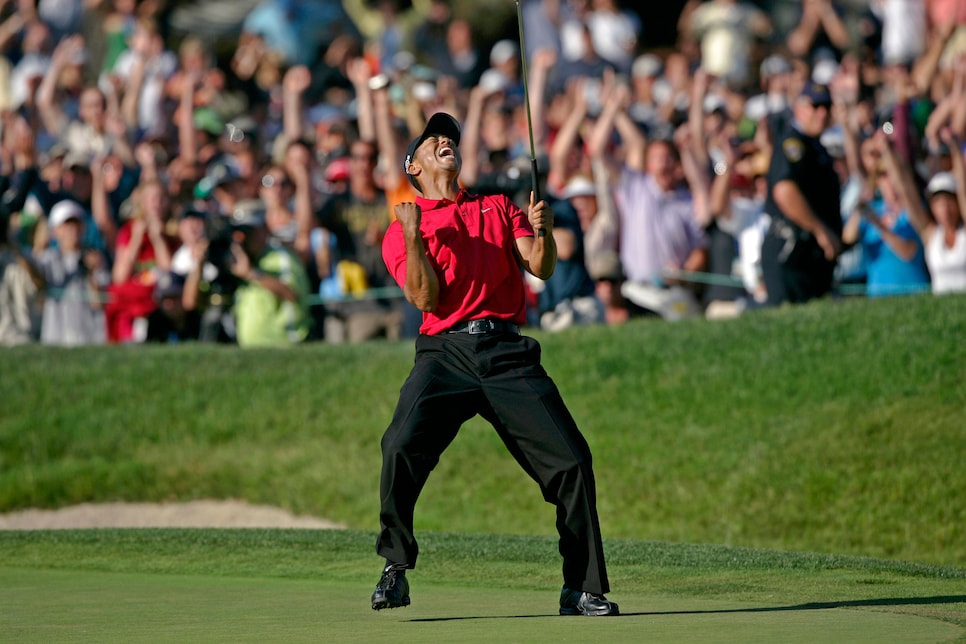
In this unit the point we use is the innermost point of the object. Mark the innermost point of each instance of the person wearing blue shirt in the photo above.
(895, 262)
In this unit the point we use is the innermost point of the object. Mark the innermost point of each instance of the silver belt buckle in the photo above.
(476, 327)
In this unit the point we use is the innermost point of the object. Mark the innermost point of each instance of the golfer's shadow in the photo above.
(855, 603)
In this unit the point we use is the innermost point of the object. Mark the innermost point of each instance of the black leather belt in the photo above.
(478, 327)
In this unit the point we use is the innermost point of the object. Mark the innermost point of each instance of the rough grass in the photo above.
(834, 427)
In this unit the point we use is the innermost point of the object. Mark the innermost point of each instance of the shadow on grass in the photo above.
(857, 603)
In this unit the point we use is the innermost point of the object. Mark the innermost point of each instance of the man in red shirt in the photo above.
(458, 257)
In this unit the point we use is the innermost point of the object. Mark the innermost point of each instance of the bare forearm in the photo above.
(543, 256)
(271, 283)
(422, 284)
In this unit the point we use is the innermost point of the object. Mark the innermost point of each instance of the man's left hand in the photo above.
(540, 215)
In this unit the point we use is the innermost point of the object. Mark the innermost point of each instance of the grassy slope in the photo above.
(834, 427)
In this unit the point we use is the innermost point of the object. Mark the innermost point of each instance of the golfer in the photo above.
(458, 257)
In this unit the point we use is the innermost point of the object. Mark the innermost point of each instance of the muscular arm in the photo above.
(422, 285)
(538, 255)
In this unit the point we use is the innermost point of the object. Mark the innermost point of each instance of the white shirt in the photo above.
(947, 266)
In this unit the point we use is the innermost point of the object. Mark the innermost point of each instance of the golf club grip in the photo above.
(536, 189)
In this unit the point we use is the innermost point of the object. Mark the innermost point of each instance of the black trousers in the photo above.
(499, 376)
(798, 276)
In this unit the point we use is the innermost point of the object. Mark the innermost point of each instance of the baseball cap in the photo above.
(941, 182)
(774, 65)
(817, 93)
(64, 211)
(503, 51)
(337, 169)
(646, 66)
(439, 123)
(77, 159)
(193, 212)
(579, 186)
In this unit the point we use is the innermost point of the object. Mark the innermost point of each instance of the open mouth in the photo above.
(446, 151)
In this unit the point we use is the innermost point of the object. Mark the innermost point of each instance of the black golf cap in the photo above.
(439, 123)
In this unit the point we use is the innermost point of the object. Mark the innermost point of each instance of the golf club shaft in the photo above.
(526, 97)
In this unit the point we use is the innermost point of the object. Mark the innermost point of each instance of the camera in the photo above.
(221, 235)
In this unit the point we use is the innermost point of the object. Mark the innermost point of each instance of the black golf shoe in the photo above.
(577, 602)
(392, 591)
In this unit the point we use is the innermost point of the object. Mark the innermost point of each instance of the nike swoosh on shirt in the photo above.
(486, 210)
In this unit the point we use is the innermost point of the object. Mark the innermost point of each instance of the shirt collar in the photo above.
(432, 204)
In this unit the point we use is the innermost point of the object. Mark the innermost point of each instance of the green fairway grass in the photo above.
(299, 585)
(834, 427)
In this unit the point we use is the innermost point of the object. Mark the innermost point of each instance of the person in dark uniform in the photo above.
(799, 250)
(458, 257)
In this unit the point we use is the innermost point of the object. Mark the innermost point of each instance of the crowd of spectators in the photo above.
(156, 187)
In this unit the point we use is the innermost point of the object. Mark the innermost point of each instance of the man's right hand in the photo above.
(829, 242)
(409, 215)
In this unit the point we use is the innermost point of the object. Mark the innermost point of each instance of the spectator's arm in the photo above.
(303, 211)
(850, 138)
(243, 269)
(850, 231)
(833, 25)
(187, 138)
(696, 261)
(367, 20)
(296, 81)
(470, 141)
(900, 172)
(906, 249)
(719, 194)
(543, 62)
(390, 158)
(694, 174)
(958, 118)
(568, 134)
(633, 141)
(192, 283)
(100, 207)
(359, 74)
(924, 69)
(696, 118)
(94, 263)
(603, 130)
(800, 38)
(127, 254)
(817, 15)
(955, 145)
(789, 198)
(120, 145)
(131, 101)
(9, 29)
(50, 113)
(26, 263)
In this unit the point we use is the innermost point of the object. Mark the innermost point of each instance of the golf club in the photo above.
(526, 97)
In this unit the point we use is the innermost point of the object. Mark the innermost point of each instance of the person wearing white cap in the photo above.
(75, 277)
(941, 227)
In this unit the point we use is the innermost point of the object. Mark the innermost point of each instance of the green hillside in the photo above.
(835, 427)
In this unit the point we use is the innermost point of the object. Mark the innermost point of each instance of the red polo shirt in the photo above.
(470, 245)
